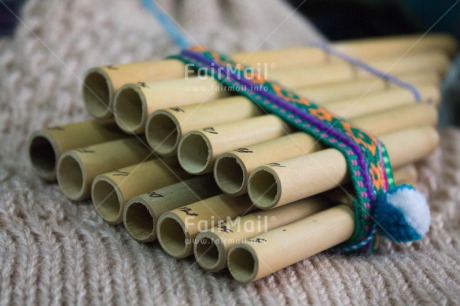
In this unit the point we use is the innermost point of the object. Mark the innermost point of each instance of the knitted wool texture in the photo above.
(54, 251)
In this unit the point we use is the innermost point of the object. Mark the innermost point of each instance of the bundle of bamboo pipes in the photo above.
(233, 185)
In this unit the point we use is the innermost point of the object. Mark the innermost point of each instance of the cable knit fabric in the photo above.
(54, 251)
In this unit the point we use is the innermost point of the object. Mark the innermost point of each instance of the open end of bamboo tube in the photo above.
(230, 175)
(242, 263)
(106, 200)
(172, 237)
(163, 133)
(138, 221)
(70, 177)
(43, 156)
(208, 251)
(194, 153)
(263, 188)
(97, 93)
(129, 108)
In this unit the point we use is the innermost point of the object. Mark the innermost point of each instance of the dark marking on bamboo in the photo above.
(187, 211)
(210, 130)
(244, 150)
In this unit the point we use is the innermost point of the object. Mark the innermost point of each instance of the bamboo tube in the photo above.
(198, 149)
(418, 63)
(232, 169)
(77, 168)
(255, 258)
(141, 213)
(101, 83)
(165, 127)
(300, 177)
(135, 103)
(176, 229)
(381, 101)
(398, 45)
(330, 92)
(364, 49)
(407, 174)
(47, 145)
(111, 191)
(212, 245)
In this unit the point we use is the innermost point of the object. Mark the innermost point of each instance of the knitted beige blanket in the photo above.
(54, 251)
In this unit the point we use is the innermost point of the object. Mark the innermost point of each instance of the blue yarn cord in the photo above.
(168, 25)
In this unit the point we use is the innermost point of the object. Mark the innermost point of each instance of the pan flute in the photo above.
(179, 158)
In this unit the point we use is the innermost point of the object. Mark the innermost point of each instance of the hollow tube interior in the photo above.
(70, 177)
(96, 94)
(263, 189)
(194, 153)
(106, 201)
(242, 264)
(42, 155)
(207, 252)
(138, 221)
(172, 237)
(229, 175)
(129, 110)
(162, 134)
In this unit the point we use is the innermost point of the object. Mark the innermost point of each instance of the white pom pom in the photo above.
(414, 206)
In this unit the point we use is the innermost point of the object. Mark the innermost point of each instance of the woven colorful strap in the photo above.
(368, 162)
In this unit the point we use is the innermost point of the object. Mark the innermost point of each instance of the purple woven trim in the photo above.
(301, 114)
